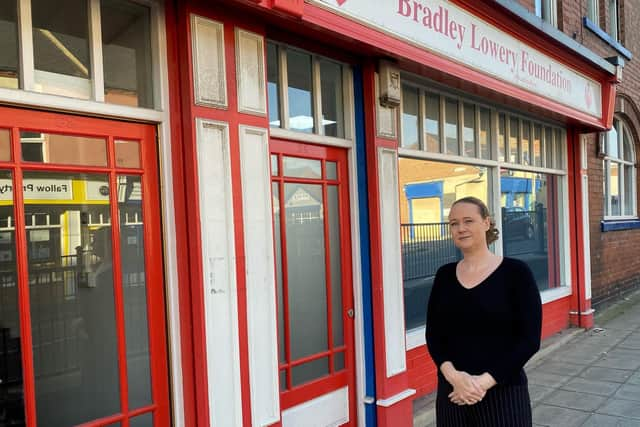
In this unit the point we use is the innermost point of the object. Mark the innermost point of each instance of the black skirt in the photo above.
(502, 406)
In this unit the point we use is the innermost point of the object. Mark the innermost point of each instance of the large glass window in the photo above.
(620, 173)
(314, 96)
(410, 115)
(8, 44)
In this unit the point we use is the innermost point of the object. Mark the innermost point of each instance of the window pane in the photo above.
(11, 401)
(537, 145)
(514, 133)
(612, 141)
(299, 91)
(527, 204)
(8, 44)
(560, 147)
(5, 145)
(274, 165)
(338, 361)
(627, 146)
(61, 47)
(502, 138)
(451, 126)
(432, 123)
(548, 147)
(71, 284)
(145, 420)
(301, 168)
(279, 272)
(469, 131)
(335, 253)
(127, 154)
(427, 189)
(134, 289)
(410, 112)
(332, 102)
(63, 149)
(629, 193)
(526, 141)
(485, 133)
(332, 172)
(614, 188)
(273, 84)
(126, 50)
(309, 371)
(306, 278)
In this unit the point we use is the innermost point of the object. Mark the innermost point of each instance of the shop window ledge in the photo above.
(606, 37)
(617, 225)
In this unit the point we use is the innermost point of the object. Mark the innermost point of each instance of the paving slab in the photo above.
(575, 400)
(601, 388)
(629, 392)
(598, 420)
(553, 416)
(606, 374)
(621, 407)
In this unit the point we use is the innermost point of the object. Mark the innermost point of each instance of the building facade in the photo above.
(232, 211)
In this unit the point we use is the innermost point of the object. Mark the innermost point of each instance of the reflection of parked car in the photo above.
(517, 223)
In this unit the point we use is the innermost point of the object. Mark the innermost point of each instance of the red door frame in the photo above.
(16, 119)
(308, 391)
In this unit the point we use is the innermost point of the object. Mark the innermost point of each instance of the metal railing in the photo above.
(425, 247)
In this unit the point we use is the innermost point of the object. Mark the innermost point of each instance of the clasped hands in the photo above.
(467, 389)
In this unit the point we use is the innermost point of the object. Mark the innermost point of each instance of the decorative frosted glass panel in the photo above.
(514, 135)
(537, 145)
(8, 44)
(63, 149)
(306, 286)
(502, 138)
(61, 47)
(5, 145)
(469, 130)
(529, 227)
(410, 114)
(614, 188)
(71, 291)
(451, 126)
(309, 371)
(332, 172)
(126, 50)
(432, 123)
(297, 167)
(127, 154)
(485, 133)
(628, 190)
(12, 397)
(300, 91)
(134, 289)
(335, 259)
(273, 85)
(338, 362)
(278, 255)
(274, 165)
(526, 143)
(145, 420)
(332, 102)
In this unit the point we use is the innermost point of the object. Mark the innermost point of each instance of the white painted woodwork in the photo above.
(219, 273)
(250, 77)
(329, 410)
(386, 123)
(260, 276)
(209, 75)
(394, 331)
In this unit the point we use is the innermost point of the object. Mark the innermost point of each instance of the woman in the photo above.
(483, 323)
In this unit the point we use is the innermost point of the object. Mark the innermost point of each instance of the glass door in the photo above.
(82, 329)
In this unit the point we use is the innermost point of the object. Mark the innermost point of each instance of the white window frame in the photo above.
(593, 11)
(619, 126)
(415, 336)
(547, 10)
(317, 136)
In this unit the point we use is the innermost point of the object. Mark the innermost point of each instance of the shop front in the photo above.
(324, 143)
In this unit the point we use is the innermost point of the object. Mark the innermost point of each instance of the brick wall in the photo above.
(615, 255)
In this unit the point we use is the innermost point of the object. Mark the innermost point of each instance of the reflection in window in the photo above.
(61, 47)
(5, 145)
(8, 44)
(299, 91)
(432, 123)
(485, 133)
(126, 50)
(63, 149)
(530, 224)
(451, 126)
(427, 191)
(273, 85)
(502, 138)
(526, 143)
(537, 145)
(410, 113)
(331, 95)
(469, 131)
(514, 134)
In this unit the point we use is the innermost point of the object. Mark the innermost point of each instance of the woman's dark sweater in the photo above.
(493, 327)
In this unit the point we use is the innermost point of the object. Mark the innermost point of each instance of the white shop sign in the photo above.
(39, 189)
(448, 30)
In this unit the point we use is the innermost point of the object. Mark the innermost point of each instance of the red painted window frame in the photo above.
(15, 119)
(302, 393)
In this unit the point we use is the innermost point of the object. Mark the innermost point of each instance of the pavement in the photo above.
(581, 378)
